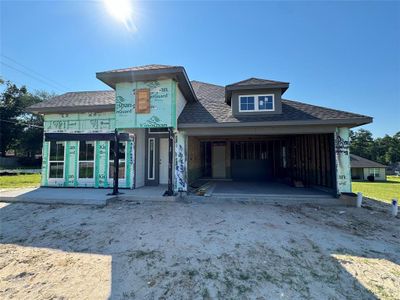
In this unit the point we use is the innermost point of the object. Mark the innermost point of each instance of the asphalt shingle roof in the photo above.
(72, 99)
(257, 81)
(212, 108)
(361, 162)
(140, 68)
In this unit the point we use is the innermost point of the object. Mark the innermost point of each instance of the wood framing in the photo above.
(142, 101)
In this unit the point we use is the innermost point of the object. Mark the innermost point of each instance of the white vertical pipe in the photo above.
(359, 199)
(395, 207)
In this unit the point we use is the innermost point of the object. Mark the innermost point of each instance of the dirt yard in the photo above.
(198, 251)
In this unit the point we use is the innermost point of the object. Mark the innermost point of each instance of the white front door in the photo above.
(218, 161)
(163, 161)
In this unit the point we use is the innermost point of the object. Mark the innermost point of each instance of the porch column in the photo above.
(180, 162)
(342, 158)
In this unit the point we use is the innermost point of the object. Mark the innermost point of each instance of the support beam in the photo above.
(116, 164)
(62, 137)
(170, 190)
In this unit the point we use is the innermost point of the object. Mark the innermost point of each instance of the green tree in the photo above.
(385, 150)
(361, 143)
(392, 154)
(31, 140)
(20, 129)
(11, 107)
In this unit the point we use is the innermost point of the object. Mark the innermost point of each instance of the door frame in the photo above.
(156, 136)
(166, 141)
(222, 145)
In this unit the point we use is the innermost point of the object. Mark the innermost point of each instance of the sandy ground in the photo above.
(222, 250)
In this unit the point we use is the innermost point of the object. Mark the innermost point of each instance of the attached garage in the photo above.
(308, 159)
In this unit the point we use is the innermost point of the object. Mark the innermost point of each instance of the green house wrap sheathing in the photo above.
(45, 164)
(71, 164)
(101, 167)
(85, 123)
(162, 104)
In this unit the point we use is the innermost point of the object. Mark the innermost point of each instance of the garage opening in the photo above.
(291, 159)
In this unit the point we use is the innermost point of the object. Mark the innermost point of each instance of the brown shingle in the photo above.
(212, 109)
(256, 81)
(74, 99)
(361, 162)
(140, 68)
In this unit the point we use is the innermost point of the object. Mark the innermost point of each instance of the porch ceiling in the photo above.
(265, 130)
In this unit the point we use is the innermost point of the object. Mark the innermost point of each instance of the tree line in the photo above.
(20, 130)
(385, 150)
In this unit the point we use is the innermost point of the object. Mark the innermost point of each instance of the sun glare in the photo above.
(122, 11)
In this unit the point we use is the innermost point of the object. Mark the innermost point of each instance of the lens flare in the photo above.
(122, 11)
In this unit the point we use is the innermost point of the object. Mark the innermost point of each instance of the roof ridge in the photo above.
(202, 82)
(324, 107)
(97, 91)
(257, 78)
(142, 68)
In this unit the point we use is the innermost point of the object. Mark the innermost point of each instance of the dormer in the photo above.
(255, 96)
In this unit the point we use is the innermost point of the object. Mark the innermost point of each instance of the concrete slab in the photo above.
(81, 196)
(245, 188)
(272, 200)
(146, 193)
(265, 193)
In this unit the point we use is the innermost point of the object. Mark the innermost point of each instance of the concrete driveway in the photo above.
(218, 250)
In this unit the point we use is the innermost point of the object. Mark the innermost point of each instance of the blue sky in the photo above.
(344, 55)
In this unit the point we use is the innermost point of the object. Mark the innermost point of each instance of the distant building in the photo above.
(361, 168)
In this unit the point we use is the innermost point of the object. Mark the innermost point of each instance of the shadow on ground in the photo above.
(195, 250)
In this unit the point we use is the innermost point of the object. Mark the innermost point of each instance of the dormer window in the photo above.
(255, 103)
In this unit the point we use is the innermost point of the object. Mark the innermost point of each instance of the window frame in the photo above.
(57, 161)
(86, 161)
(256, 103)
(374, 172)
(111, 179)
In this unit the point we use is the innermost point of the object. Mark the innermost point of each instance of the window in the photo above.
(86, 160)
(247, 103)
(252, 103)
(265, 103)
(121, 170)
(56, 161)
(151, 159)
(374, 172)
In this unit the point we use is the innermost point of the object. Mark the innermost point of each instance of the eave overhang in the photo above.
(229, 89)
(72, 109)
(178, 73)
(353, 122)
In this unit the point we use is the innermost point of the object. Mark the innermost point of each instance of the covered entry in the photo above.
(306, 160)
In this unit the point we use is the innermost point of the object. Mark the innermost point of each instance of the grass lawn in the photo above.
(384, 191)
(20, 181)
